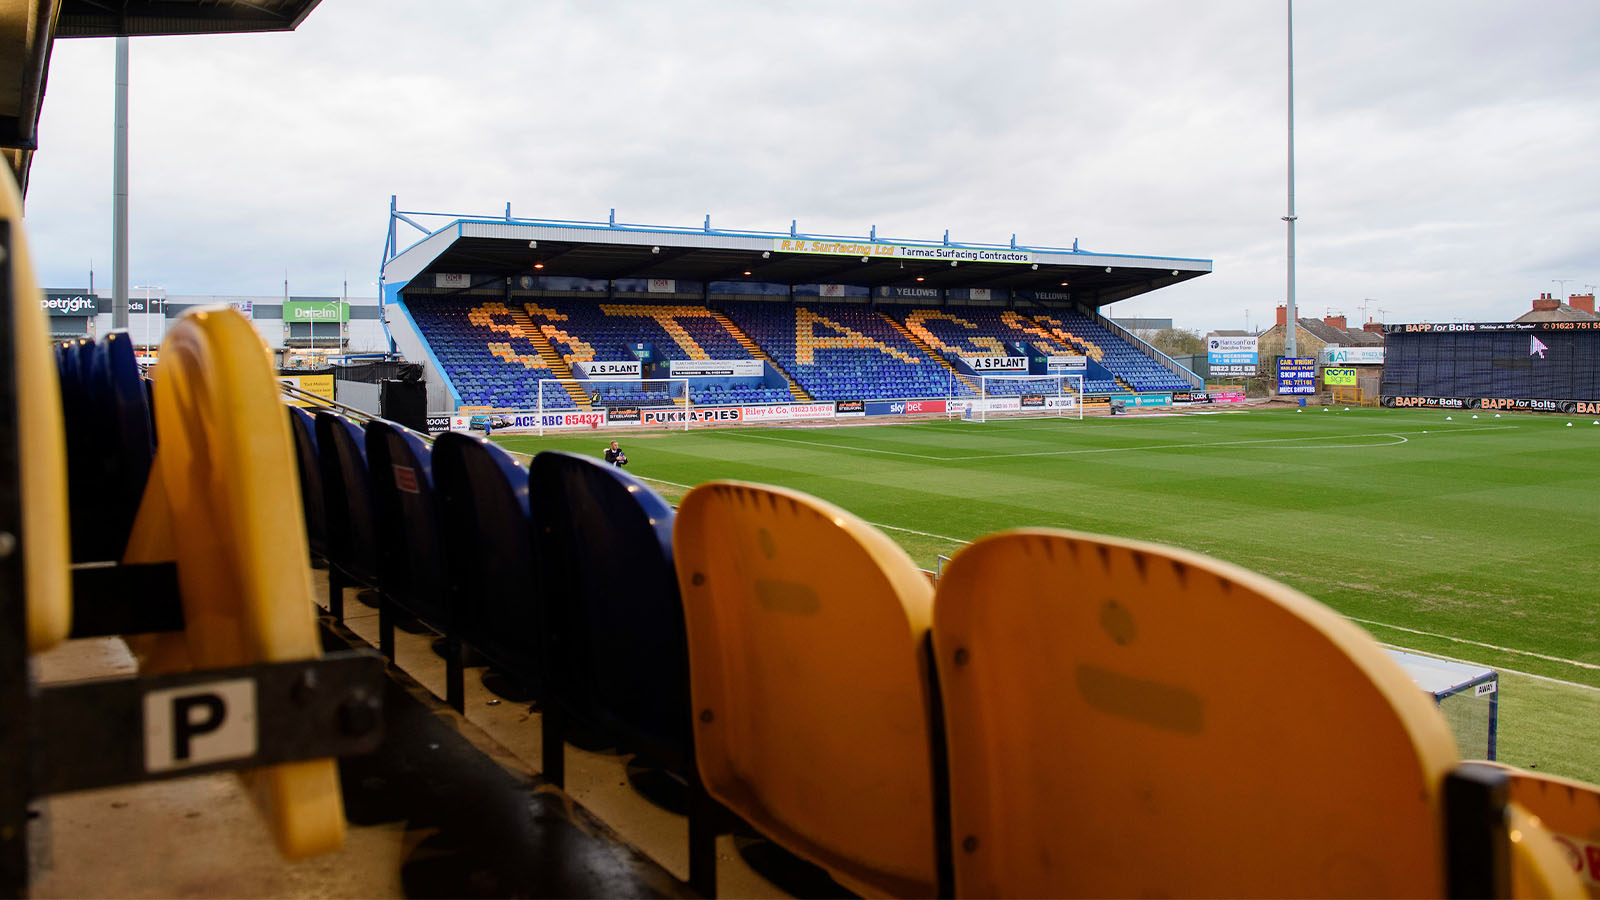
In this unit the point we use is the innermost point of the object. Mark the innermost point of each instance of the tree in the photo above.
(1176, 341)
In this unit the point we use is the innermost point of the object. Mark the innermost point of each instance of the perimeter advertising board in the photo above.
(1339, 377)
(907, 407)
(850, 408)
(1297, 374)
(1510, 404)
(1228, 354)
(782, 411)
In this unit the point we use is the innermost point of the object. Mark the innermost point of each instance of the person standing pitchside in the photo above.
(615, 456)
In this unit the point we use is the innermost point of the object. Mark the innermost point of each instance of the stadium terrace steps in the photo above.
(931, 353)
(1133, 368)
(488, 357)
(547, 351)
(751, 347)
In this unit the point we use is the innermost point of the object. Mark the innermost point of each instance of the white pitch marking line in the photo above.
(1473, 662)
(1199, 445)
(1331, 437)
(766, 437)
(873, 524)
(1556, 659)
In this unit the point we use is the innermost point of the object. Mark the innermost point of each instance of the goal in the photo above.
(573, 402)
(1022, 397)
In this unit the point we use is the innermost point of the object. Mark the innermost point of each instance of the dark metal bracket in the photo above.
(129, 730)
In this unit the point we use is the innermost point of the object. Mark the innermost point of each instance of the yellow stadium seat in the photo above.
(1568, 810)
(224, 503)
(808, 671)
(41, 438)
(1125, 719)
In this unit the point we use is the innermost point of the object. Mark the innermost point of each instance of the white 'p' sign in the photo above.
(199, 724)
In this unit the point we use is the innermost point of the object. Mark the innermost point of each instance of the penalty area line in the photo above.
(1499, 669)
(1496, 647)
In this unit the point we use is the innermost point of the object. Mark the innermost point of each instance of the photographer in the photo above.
(615, 456)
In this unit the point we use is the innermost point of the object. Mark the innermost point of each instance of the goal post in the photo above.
(665, 402)
(1057, 396)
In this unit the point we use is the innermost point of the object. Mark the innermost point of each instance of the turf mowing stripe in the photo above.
(873, 524)
(1556, 659)
(1193, 446)
(1473, 662)
(1330, 437)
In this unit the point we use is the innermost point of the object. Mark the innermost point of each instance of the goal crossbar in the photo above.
(1054, 396)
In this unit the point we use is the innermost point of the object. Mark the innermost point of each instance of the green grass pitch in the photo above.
(1468, 538)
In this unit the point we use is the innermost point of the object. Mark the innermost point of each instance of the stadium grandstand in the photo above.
(495, 306)
(236, 616)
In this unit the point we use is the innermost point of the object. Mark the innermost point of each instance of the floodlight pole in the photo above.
(1291, 319)
(119, 191)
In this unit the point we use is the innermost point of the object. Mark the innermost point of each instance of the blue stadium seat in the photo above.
(347, 508)
(405, 522)
(487, 550)
(616, 650)
(311, 498)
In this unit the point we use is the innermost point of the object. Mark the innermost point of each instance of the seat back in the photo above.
(486, 544)
(124, 448)
(405, 521)
(347, 503)
(304, 428)
(1569, 810)
(1125, 719)
(231, 495)
(40, 437)
(807, 633)
(615, 649)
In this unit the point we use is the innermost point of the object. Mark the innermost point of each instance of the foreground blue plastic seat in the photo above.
(613, 624)
(487, 551)
(304, 428)
(406, 525)
(347, 508)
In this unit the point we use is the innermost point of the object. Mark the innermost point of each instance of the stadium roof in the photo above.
(28, 28)
(492, 249)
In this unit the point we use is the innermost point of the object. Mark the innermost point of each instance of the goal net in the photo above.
(573, 402)
(1022, 397)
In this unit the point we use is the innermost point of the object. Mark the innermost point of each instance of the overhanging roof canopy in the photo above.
(499, 248)
(113, 18)
(29, 27)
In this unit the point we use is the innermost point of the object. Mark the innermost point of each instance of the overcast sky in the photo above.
(1447, 151)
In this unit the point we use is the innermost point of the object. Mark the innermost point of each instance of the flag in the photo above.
(1536, 347)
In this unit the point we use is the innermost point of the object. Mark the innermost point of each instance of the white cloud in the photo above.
(1443, 147)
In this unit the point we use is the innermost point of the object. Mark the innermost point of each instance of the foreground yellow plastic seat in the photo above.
(1569, 810)
(41, 449)
(808, 673)
(1125, 719)
(224, 503)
